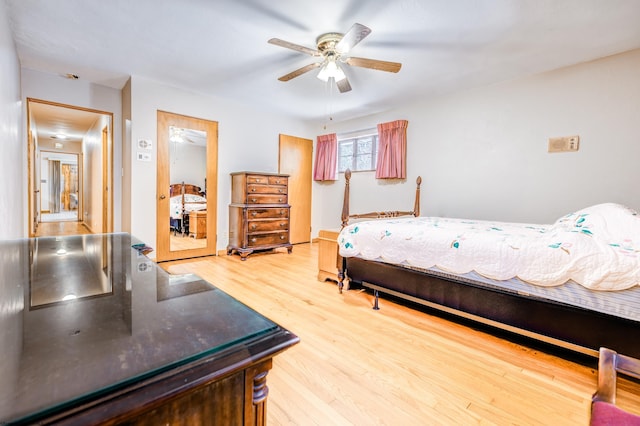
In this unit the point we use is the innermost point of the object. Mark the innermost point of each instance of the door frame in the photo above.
(107, 183)
(33, 165)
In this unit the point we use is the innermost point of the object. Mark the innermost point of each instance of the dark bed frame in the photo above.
(567, 326)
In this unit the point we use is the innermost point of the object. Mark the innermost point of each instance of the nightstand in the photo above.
(198, 224)
(328, 258)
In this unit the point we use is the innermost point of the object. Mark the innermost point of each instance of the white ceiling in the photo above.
(220, 47)
(52, 120)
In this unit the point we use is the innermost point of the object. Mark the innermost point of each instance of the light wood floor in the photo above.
(54, 229)
(179, 242)
(396, 366)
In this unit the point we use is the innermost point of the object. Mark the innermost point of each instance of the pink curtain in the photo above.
(392, 150)
(326, 157)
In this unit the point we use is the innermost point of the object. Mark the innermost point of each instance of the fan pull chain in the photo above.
(329, 94)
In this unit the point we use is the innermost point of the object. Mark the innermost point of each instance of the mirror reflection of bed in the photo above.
(188, 202)
(187, 222)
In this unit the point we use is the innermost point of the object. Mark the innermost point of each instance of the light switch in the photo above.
(564, 144)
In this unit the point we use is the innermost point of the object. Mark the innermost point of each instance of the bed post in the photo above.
(342, 263)
(345, 200)
(416, 205)
(182, 192)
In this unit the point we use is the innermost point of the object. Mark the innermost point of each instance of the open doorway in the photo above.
(59, 187)
(70, 152)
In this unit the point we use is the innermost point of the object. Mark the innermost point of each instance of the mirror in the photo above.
(188, 202)
(187, 165)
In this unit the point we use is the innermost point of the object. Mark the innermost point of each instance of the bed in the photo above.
(184, 198)
(572, 283)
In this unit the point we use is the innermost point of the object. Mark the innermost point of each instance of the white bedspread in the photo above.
(191, 203)
(597, 247)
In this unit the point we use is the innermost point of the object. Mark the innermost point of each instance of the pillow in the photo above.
(614, 220)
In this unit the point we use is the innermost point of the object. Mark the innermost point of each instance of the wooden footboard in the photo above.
(346, 216)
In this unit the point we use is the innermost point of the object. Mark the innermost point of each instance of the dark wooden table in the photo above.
(92, 332)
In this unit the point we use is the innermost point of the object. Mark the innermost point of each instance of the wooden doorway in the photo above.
(84, 132)
(107, 195)
(295, 159)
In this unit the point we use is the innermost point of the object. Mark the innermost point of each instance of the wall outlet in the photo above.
(564, 144)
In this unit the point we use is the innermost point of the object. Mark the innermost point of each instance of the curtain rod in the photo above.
(356, 133)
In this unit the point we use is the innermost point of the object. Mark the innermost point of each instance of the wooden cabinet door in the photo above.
(295, 160)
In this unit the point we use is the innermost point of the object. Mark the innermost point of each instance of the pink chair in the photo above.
(603, 408)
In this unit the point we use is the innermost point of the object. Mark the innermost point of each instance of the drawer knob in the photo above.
(253, 240)
(253, 226)
(253, 190)
(282, 237)
(254, 214)
(283, 224)
(281, 212)
(253, 200)
(279, 200)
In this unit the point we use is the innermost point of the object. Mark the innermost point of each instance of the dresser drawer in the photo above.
(266, 199)
(261, 179)
(266, 189)
(271, 239)
(268, 225)
(267, 213)
(278, 180)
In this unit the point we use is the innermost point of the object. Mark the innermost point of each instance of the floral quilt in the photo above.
(597, 247)
(191, 202)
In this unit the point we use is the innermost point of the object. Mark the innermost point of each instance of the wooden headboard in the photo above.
(184, 188)
(376, 215)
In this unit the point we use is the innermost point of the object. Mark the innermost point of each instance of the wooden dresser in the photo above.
(258, 213)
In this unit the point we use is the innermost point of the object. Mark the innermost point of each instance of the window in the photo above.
(357, 153)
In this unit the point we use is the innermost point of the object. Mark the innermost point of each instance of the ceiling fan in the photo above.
(333, 50)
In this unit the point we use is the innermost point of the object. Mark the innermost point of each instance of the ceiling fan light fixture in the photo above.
(175, 135)
(333, 50)
(323, 74)
(331, 70)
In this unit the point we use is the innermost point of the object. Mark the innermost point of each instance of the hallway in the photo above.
(54, 229)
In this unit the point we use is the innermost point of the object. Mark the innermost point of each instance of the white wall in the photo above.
(13, 202)
(247, 140)
(188, 164)
(483, 153)
(80, 93)
(12, 211)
